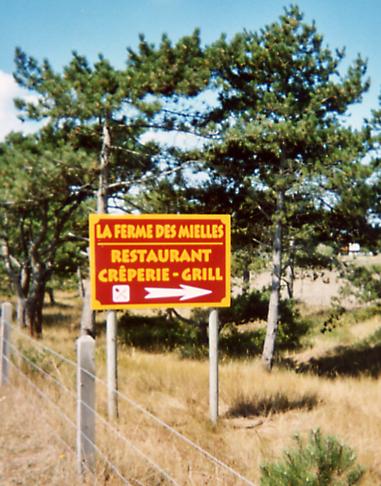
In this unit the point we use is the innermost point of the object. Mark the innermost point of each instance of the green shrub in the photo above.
(362, 282)
(192, 351)
(234, 343)
(321, 461)
(32, 361)
(374, 339)
(156, 333)
(253, 306)
(169, 331)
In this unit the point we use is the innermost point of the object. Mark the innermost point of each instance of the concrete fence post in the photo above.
(213, 365)
(86, 404)
(5, 336)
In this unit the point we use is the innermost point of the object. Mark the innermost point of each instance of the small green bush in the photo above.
(234, 343)
(320, 461)
(156, 333)
(362, 282)
(374, 339)
(253, 306)
(169, 331)
(32, 361)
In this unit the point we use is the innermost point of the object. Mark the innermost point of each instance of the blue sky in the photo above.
(53, 29)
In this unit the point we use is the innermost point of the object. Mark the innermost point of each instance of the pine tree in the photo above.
(105, 111)
(43, 185)
(281, 119)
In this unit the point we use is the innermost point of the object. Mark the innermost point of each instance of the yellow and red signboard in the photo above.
(159, 260)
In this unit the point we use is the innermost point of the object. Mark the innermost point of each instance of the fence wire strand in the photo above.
(42, 371)
(44, 347)
(70, 422)
(141, 409)
(99, 417)
(131, 445)
(43, 395)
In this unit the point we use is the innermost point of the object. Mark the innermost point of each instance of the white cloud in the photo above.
(8, 113)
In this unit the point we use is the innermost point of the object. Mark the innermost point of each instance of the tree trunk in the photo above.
(81, 289)
(19, 277)
(112, 323)
(87, 317)
(34, 306)
(102, 201)
(246, 280)
(21, 311)
(50, 292)
(290, 271)
(22, 289)
(273, 312)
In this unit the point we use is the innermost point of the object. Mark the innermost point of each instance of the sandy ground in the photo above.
(314, 289)
(317, 288)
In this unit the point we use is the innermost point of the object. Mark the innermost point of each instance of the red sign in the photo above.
(159, 260)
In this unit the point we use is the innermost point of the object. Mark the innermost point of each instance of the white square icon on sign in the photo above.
(121, 293)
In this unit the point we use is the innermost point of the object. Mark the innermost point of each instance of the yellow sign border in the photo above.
(95, 218)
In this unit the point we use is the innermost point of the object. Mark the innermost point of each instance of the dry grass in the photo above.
(31, 453)
(259, 412)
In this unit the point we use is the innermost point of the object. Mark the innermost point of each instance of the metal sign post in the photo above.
(213, 365)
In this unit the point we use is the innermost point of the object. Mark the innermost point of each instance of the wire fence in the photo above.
(138, 449)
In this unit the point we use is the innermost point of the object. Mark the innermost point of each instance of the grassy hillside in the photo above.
(331, 383)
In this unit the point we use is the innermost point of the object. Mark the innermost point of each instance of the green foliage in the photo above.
(169, 331)
(363, 282)
(284, 147)
(32, 360)
(246, 307)
(320, 461)
(268, 107)
(332, 320)
(340, 316)
(359, 359)
(91, 112)
(253, 306)
(308, 255)
(171, 69)
(243, 262)
(154, 333)
(239, 343)
(44, 184)
(80, 101)
(374, 339)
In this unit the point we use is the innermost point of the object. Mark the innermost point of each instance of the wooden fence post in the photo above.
(213, 365)
(5, 336)
(86, 404)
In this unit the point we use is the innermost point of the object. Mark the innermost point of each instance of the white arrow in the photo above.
(185, 292)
